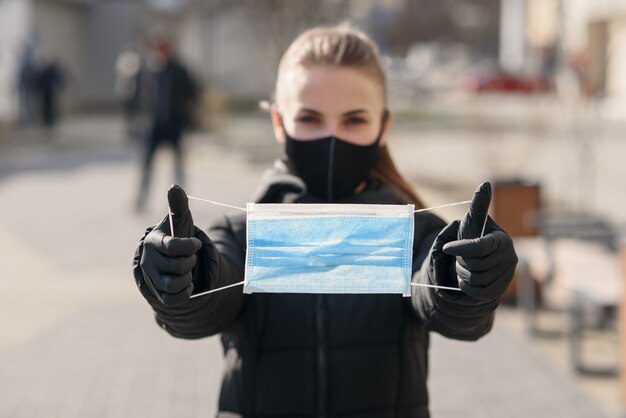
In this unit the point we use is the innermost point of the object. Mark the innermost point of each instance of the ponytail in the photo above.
(385, 169)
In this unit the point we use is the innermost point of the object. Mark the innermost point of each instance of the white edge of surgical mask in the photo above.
(299, 210)
(268, 211)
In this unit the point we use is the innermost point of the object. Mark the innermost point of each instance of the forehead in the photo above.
(331, 90)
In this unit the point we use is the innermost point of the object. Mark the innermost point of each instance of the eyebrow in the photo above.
(350, 113)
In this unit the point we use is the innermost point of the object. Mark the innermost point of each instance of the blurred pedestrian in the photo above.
(315, 354)
(27, 81)
(50, 82)
(172, 93)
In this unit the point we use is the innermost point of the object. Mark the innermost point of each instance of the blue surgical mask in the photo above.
(327, 248)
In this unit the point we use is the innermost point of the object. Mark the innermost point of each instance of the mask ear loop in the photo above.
(218, 289)
(213, 202)
(435, 286)
(442, 206)
(169, 214)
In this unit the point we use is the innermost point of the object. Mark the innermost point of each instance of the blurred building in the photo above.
(398, 24)
(596, 29)
(586, 37)
(233, 46)
(85, 36)
(13, 17)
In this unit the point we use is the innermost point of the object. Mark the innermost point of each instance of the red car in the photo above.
(497, 80)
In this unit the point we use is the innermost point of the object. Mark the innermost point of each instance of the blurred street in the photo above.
(79, 341)
(97, 97)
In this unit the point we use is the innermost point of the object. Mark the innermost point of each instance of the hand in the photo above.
(484, 265)
(167, 262)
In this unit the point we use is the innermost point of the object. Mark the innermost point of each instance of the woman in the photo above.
(316, 355)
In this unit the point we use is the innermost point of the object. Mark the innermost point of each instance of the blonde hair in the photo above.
(344, 46)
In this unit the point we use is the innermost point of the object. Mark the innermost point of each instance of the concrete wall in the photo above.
(60, 28)
(577, 14)
(616, 71)
(512, 53)
(230, 53)
(86, 37)
(600, 27)
(109, 26)
(14, 21)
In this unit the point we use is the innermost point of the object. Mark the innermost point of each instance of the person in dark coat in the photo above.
(171, 92)
(50, 81)
(327, 355)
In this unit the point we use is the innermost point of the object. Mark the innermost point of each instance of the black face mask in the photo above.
(331, 167)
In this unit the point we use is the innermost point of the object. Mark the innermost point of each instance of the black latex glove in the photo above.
(168, 262)
(482, 267)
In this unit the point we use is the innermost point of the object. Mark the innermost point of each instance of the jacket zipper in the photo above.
(322, 361)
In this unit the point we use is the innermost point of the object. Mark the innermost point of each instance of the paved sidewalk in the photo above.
(78, 340)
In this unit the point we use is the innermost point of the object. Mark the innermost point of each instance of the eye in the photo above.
(355, 120)
(307, 119)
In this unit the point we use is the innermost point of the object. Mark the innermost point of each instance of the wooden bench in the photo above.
(590, 274)
(576, 257)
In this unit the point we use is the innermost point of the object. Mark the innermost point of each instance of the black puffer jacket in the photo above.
(308, 355)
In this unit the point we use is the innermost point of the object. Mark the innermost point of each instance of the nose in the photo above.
(331, 129)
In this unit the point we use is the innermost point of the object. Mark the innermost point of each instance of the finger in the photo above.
(174, 299)
(482, 278)
(475, 292)
(478, 264)
(160, 240)
(170, 283)
(491, 291)
(177, 247)
(493, 264)
(472, 223)
(173, 265)
(477, 247)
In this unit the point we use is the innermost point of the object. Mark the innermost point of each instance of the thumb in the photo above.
(181, 215)
(472, 224)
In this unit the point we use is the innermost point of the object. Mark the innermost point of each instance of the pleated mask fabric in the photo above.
(329, 248)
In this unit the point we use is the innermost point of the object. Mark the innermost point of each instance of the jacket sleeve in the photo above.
(220, 262)
(450, 313)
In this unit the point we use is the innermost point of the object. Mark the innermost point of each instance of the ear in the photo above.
(277, 122)
(386, 124)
